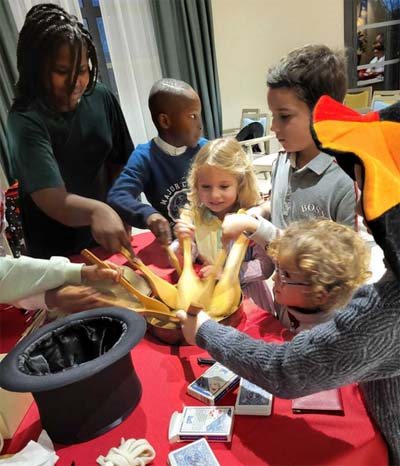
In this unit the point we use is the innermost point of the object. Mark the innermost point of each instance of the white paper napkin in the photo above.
(40, 453)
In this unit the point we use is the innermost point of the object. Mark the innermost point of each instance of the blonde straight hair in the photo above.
(226, 154)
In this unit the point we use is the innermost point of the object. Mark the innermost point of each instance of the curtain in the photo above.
(350, 41)
(8, 77)
(20, 8)
(134, 55)
(185, 39)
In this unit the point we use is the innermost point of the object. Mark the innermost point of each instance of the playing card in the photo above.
(253, 400)
(197, 453)
(212, 422)
(213, 384)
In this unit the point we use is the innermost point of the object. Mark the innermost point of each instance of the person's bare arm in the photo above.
(77, 211)
(69, 299)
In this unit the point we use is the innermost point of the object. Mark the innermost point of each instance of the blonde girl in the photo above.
(221, 181)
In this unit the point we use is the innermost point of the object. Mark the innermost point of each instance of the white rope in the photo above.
(130, 453)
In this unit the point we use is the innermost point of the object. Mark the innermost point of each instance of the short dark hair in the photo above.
(311, 71)
(45, 29)
(161, 94)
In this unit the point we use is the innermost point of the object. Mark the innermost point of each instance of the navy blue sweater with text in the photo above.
(161, 177)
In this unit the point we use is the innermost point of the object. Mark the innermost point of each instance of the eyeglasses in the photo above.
(284, 279)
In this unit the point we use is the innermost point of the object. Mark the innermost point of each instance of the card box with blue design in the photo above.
(196, 453)
(213, 384)
(253, 400)
(215, 423)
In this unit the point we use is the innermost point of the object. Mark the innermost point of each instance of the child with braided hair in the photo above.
(67, 138)
(31, 283)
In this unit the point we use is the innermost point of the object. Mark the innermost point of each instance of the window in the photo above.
(93, 21)
(375, 39)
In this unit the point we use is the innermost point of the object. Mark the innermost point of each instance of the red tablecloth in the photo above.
(283, 438)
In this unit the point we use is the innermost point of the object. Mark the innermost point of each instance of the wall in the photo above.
(251, 35)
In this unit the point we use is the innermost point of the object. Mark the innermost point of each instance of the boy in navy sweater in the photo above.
(159, 168)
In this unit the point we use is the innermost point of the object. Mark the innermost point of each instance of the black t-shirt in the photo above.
(49, 150)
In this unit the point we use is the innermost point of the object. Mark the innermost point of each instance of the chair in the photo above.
(382, 99)
(264, 164)
(252, 146)
(259, 143)
(263, 167)
(248, 116)
(251, 113)
(255, 140)
(359, 99)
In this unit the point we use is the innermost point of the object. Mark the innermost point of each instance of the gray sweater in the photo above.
(360, 344)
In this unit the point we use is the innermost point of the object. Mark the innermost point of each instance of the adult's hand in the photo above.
(71, 299)
(191, 323)
(95, 273)
(160, 228)
(108, 229)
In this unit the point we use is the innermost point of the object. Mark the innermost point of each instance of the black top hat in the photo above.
(80, 372)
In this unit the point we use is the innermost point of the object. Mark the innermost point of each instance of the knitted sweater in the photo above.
(360, 344)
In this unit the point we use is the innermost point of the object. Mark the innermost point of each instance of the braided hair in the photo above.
(46, 28)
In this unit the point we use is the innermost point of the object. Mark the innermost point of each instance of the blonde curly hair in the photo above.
(226, 154)
(333, 257)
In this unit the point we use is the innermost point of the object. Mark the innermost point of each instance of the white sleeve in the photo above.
(25, 277)
(37, 301)
(265, 232)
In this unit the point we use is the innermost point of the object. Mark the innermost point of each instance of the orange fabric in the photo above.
(377, 148)
(330, 109)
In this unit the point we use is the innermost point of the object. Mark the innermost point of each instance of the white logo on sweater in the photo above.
(312, 208)
(175, 198)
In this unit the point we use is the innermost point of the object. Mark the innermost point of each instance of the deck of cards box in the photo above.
(215, 423)
(198, 452)
(253, 400)
(213, 384)
(326, 402)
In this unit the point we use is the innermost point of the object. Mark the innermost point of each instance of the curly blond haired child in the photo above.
(318, 265)
(221, 181)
